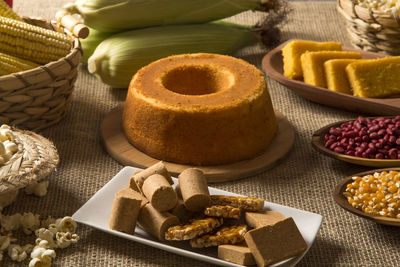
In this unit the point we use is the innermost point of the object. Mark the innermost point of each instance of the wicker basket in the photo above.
(370, 30)
(38, 98)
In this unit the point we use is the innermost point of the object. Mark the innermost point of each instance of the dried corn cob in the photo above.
(193, 229)
(226, 235)
(10, 64)
(31, 42)
(245, 203)
(6, 11)
(223, 211)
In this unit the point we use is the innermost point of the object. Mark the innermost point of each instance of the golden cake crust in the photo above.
(202, 109)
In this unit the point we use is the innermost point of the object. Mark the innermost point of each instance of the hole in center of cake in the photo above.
(197, 80)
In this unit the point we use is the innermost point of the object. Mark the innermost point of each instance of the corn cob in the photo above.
(6, 11)
(90, 43)
(118, 15)
(10, 64)
(31, 42)
(118, 57)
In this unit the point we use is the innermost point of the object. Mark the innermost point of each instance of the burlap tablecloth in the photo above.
(304, 180)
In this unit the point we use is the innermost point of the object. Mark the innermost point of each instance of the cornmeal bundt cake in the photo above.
(200, 109)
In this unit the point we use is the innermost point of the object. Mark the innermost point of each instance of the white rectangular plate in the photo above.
(96, 212)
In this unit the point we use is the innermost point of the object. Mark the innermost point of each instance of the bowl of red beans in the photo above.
(373, 142)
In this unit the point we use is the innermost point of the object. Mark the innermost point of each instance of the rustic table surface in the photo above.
(304, 180)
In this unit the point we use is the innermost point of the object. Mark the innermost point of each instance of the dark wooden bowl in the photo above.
(317, 142)
(342, 201)
(272, 64)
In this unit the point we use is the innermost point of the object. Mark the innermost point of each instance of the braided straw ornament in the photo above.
(370, 30)
(40, 97)
(36, 158)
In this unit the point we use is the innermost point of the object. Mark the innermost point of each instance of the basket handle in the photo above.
(72, 24)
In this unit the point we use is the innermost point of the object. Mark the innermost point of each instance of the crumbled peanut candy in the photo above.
(245, 203)
(226, 235)
(223, 211)
(193, 229)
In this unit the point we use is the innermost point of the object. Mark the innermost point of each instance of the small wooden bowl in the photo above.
(342, 201)
(318, 144)
(272, 65)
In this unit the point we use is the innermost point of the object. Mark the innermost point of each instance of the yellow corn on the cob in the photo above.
(10, 64)
(32, 42)
(6, 11)
(117, 15)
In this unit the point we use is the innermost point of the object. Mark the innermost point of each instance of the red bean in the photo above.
(382, 132)
(378, 138)
(392, 139)
(329, 143)
(383, 151)
(338, 149)
(373, 135)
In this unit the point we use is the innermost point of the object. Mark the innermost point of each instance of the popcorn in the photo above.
(18, 253)
(66, 224)
(53, 234)
(45, 234)
(37, 188)
(30, 222)
(10, 223)
(66, 239)
(7, 145)
(45, 223)
(41, 254)
(5, 241)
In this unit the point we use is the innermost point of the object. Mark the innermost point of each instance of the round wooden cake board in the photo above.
(120, 149)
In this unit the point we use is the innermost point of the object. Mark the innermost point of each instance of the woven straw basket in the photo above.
(36, 158)
(37, 98)
(371, 30)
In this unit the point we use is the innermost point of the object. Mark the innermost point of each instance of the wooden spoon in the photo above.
(318, 144)
(342, 201)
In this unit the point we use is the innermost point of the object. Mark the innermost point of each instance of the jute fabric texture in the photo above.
(304, 180)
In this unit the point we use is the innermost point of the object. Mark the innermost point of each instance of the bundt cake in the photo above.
(199, 109)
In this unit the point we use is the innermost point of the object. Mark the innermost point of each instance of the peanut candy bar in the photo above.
(245, 203)
(223, 211)
(193, 229)
(226, 235)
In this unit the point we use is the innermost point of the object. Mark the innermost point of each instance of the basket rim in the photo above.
(76, 48)
(377, 12)
(44, 165)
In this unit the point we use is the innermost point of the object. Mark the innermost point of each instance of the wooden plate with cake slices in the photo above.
(317, 142)
(342, 201)
(272, 65)
(120, 149)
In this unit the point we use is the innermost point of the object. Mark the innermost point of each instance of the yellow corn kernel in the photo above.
(10, 64)
(378, 196)
(31, 42)
(6, 11)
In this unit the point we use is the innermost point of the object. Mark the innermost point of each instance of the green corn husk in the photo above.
(90, 43)
(118, 57)
(118, 15)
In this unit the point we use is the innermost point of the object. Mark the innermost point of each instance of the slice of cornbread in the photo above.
(375, 77)
(292, 51)
(312, 64)
(336, 77)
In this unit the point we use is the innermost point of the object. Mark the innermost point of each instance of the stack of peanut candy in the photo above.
(188, 212)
